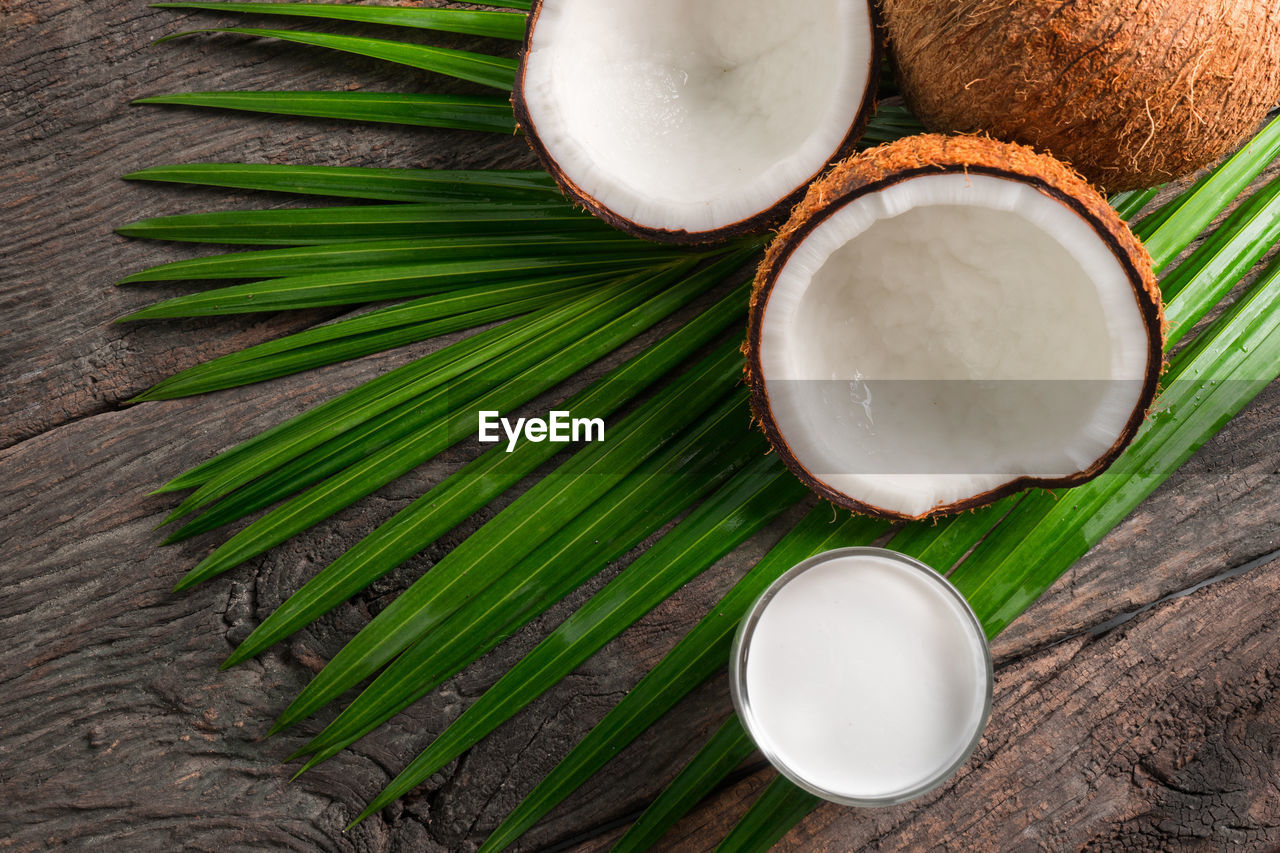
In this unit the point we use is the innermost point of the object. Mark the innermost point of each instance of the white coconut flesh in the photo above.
(945, 336)
(693, 115)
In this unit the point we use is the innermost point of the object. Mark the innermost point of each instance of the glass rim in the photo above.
(742, 702)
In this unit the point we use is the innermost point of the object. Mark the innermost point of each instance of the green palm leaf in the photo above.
(404, 437)
(727, 748)
(526, 523)
(487, 114)
(368, 333)
(504, 25)
(890, 122)
(494, 71)
(332, 257)
(1130, 204)
(422, 522)
(240, 464)
(309, 226)
(420, 186)
(1197, 284)
(780, 807)
(1165, 233)
(521, 276)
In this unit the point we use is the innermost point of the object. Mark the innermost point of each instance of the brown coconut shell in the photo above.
(756, 224)
(1132, 93)
(933, 154)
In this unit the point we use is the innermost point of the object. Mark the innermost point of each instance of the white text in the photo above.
(559, 426)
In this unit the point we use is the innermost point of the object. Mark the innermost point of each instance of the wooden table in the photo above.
(118, 732)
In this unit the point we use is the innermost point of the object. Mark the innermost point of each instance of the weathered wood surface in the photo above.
(71, 69)
(117, 730)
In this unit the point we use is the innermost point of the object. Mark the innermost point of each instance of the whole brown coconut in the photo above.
(1132, 93)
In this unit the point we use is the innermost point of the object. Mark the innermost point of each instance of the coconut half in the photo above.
(946, 320)
(688, 121)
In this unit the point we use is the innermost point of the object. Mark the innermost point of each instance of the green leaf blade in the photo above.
(771, 816)
(493, 71)
(520, 276)
(503, 25)
(313, 226)
(366, 254)
(1168, 231)
(321, 346)
(1199, 282)
(890, 122)
(1129, 204)
(417, 186)
(727, 748)
(450, 112)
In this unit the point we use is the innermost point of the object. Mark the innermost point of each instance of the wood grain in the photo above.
(71, 70)
(117, 730)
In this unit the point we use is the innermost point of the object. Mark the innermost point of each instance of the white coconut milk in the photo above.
(865, 677)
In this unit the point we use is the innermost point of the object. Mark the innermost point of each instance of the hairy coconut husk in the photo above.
(929, 154)
(1132, 93)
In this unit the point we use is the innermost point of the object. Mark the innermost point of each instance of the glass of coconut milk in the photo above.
(863, 676)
